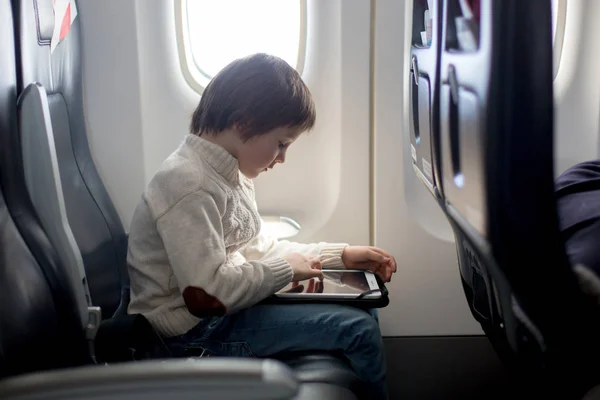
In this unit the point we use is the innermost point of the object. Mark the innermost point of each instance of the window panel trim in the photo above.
(559, 33)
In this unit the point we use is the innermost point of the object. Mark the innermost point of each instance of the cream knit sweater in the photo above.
(198, 225)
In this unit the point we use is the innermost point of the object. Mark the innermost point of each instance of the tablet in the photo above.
(338, 284)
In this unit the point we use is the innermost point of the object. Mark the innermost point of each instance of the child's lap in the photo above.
(267, 329)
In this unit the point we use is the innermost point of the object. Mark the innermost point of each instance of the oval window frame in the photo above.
(559, 34)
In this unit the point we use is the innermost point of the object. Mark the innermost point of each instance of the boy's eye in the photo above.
(282, 146)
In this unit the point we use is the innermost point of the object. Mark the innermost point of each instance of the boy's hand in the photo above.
(303, 267)
(371, 259)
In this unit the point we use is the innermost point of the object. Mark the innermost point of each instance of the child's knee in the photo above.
(370, 329)
(364, 329)
(374, 313)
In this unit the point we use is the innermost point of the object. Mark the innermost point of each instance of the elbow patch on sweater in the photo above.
(202, 304)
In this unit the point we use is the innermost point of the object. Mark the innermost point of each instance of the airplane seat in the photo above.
(91, 216)
(577, 198)
(96, 226)
(38, 322)
(497, 191)
(93, 223)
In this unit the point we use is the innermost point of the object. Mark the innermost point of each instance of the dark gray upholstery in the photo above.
(94, 221)
(39, 323)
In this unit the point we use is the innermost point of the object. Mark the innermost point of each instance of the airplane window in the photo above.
(215, 32)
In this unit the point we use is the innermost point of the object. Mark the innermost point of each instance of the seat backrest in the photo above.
(578, 202)
(42, 179)
(496, 186)
(56, 64)
(39, 323)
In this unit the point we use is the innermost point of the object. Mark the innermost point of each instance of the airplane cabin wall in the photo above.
(111, 85)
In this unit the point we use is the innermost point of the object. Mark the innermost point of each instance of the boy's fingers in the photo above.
(394, 265)
(311, 286)
(296, 289)
(384, 277)
(387, 257)
(372, 266)
(319, 287)
(372, 255)
(317, 273)
(382, 252)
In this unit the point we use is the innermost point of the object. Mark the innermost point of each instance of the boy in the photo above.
(197, 262)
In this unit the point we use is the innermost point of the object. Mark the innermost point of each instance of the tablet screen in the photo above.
(336, 283)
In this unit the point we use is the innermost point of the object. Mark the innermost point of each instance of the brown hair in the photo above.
(254, 94)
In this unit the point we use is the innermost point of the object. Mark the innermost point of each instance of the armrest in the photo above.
(207, 378)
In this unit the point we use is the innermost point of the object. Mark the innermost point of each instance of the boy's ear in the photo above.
(238, 127)
(241, 130)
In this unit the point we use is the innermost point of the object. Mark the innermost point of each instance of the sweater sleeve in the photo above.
(192, 234)
(265, 247)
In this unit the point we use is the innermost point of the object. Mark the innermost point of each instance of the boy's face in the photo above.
(261, 153)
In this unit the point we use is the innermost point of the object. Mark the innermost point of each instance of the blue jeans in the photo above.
(267, 329)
